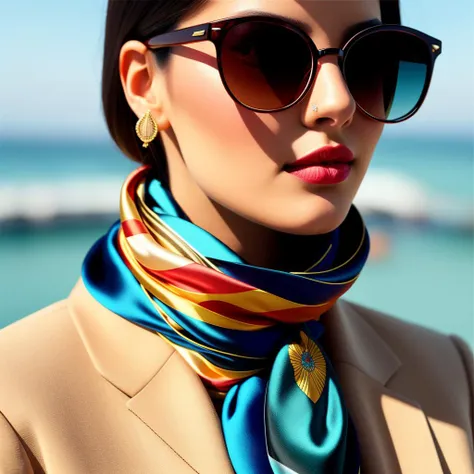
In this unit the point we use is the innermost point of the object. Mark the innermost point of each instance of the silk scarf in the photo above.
(250, 333)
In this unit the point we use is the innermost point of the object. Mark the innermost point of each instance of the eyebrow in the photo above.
(351, 31)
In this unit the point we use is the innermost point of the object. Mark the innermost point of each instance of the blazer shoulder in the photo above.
(32, 330)
(397, 330)
(429, 357)
(34, 348)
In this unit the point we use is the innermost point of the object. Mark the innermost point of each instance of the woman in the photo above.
(206, 333)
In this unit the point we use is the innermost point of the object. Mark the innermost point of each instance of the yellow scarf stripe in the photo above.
(209, 371)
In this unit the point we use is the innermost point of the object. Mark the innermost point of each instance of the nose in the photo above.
(329, 92)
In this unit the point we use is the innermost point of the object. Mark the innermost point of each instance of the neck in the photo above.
(255, 244)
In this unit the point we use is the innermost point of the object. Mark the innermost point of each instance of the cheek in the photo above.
(216, 136)
(200, 107)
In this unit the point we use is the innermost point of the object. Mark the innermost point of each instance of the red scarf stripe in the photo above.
(133, 227)
(200, 279)
(219, 384)
(122, 253)
(237, 313)
(298, 315)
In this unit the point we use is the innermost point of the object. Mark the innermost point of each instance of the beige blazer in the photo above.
(83, 390)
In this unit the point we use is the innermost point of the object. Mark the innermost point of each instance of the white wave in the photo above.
(47, 201)
(392, 193)
(402, 197)
(383, 192)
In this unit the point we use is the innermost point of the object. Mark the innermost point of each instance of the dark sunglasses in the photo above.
(267, 64)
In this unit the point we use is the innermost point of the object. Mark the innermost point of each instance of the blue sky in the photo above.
(51, 57)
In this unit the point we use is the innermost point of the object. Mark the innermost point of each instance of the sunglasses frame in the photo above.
(216, 31)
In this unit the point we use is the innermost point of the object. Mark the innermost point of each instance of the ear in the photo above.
(141, 82)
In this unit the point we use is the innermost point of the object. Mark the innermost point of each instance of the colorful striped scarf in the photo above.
(249, 332)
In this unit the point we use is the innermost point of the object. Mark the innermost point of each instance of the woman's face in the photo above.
(234, 157)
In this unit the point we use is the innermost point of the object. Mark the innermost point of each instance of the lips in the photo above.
(324, 156)
(326, 165)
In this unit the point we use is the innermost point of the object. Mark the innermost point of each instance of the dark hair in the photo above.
(133, 19)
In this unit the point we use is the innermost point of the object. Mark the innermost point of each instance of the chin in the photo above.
(321, 219)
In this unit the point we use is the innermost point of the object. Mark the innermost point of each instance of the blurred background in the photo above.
(60, 174)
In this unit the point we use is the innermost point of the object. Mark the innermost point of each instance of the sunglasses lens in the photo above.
(386, 73)
(265, 66)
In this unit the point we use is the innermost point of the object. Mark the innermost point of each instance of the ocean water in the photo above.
(420, 272)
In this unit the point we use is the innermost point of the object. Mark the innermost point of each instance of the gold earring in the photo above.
(147, 129)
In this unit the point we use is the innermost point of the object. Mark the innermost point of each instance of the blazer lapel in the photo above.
(394, 434)
(164, 393)
(176, 406)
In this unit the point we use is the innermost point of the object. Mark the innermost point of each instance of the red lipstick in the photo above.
(326, 165)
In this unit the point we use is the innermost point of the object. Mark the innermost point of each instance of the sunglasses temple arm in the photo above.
(192, 34)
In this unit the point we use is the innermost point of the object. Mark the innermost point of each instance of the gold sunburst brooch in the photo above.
(309, 367)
